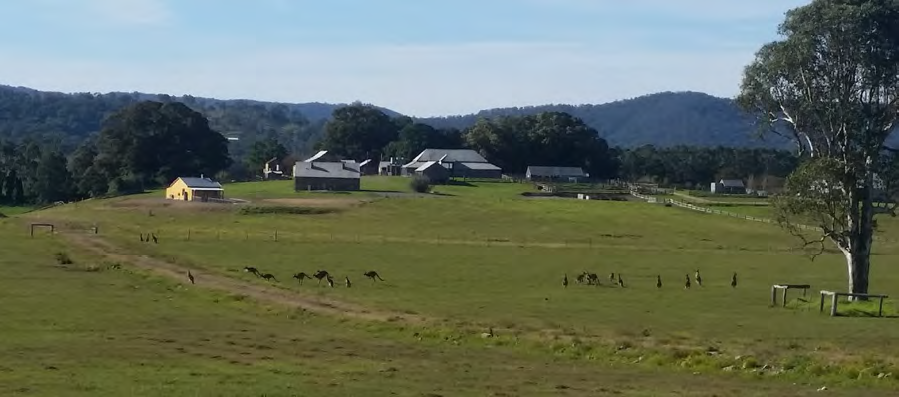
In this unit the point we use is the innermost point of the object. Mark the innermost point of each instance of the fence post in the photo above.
(188, 234)
(276, 234)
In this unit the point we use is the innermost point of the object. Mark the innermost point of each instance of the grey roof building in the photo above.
(460, 162)
(326, 175)
(544, 172)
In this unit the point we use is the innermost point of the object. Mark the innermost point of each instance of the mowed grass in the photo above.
(90, 329)
(488, 257)
(11, 211)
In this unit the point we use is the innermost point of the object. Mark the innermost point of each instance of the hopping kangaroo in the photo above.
(372, 275)
(269, 276)
(251, 270)
(300, 276)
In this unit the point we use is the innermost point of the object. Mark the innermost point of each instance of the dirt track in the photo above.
(230, 285)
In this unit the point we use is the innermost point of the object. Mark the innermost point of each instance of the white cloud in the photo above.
(417, 80)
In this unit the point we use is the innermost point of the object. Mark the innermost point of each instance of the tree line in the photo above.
(145, 145)
(150, 143)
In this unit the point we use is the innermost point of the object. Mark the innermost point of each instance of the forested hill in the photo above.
(25, 112)
(663, 119)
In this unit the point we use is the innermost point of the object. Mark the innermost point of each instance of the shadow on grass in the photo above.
(380, 191)
(459, 183)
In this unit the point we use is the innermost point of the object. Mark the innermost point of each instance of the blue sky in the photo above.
(418, 57)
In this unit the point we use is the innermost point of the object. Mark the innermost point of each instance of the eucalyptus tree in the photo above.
(831, 85)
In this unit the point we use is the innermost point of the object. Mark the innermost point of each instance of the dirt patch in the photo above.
(320, 202)
(163, 203)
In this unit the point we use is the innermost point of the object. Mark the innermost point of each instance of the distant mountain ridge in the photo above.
(661, 119)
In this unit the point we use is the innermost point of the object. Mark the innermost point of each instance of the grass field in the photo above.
(455, 264)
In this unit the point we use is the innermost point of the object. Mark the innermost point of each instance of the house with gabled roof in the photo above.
(545, 173)
(326, 172)
(194, 189)
(728, 186)
(464, 163)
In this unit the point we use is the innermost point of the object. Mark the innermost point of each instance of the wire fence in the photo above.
(708, 210)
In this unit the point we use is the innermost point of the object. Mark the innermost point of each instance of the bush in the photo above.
(420, 184)
(63, 258)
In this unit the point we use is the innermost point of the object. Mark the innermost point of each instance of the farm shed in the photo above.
(464, 163)
(272, 169)
(728, 186)
(192, 188)
(392, 167)
(434, 171)
(544, 173)
(316, 175)
(369, 167)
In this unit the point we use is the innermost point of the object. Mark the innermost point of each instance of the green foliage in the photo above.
(413, 138)
(150, 144)
(264, 150)
(358, 132)
(662, 119)
(698, 166)
(550, 138)
(420, 184)
(276, 209)
(831, 85)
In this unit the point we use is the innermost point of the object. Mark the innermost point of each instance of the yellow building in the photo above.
(190, 189)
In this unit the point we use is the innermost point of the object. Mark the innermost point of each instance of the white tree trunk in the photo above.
(860, 225)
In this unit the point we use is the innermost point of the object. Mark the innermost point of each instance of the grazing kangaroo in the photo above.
(612, 277)
(330, 281)
(300, 276)
(659, 281)
(620, 281)
(155, 240)
(592, 279)
(581, 278)
(269, 276)
(190, 277)
(251, 270)
(320, 274)
(372, 275)
(565, 281)
(687, 282)
(347, 281)
(733, 281)
(698, 278)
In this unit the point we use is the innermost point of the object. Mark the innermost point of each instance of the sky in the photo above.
(418, 57)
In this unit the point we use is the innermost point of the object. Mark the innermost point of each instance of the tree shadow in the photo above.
(379, 191)
(459, 183)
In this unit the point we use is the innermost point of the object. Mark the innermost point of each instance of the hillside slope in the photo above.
(662, 119)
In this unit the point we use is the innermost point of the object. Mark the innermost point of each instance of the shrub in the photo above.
(420, 184)
(63, 258)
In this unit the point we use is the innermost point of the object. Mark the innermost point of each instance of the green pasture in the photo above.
(11, 211)
(481, 255)
(87, 329)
